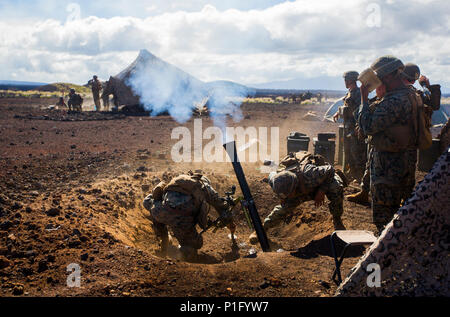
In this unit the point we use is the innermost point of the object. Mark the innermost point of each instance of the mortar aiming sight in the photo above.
(232, 202)
(227, 219)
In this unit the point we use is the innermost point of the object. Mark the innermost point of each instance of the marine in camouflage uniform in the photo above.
(365, 181)
(355, 148)
(75, 101)
(180, 209)
(304, 182)
(431, 97)
(389, 169)
(362, 197)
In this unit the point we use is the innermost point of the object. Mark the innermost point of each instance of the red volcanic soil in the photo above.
(71, 189)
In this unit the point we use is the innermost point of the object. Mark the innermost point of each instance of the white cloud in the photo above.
(284, 41)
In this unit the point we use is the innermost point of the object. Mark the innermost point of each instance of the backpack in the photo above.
(190, 185)
(296, 163)
(422, 124)
(414, 135)
(300, 160)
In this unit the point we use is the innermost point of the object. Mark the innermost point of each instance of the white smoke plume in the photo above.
(165, 88)
(225, 101)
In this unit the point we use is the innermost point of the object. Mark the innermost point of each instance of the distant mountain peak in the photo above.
(145, 59)
(145, 56)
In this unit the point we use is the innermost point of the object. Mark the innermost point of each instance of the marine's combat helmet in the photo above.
(283, 183)
(386, 64)
(411, 72)
(72, 91)
(351, 75)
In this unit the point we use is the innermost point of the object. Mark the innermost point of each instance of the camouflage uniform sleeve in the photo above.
(213, 198)
(280, 212)
(433, 100)
(318, 176)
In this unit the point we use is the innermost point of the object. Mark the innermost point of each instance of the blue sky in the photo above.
(251, 41)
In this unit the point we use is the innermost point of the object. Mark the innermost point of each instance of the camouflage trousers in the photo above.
(355, 154)
(365, 181)
(180, 222)
(386, 200)
(393, 180)
(334, 193)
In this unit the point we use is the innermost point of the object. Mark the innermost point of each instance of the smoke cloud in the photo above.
(162, 89)
(225, 100)
(165, 88)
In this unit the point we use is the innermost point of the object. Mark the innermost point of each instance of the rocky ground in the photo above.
(71, 189)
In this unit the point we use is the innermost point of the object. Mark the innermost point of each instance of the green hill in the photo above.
(65, 87)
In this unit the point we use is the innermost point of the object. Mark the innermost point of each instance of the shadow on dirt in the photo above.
(202, 258)
(323, 247)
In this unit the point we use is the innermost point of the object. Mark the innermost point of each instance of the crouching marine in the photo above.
(179, 206)
(304, 177)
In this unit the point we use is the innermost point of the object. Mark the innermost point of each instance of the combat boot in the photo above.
(338, 225)
(361, 197)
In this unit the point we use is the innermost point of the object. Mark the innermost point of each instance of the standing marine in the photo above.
(96, 86)
(391, 128)
(354, 147)
(431, 94)
(362, 197)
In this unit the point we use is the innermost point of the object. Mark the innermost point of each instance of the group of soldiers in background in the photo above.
(75, 101)
(381, 134)
(306, 96)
